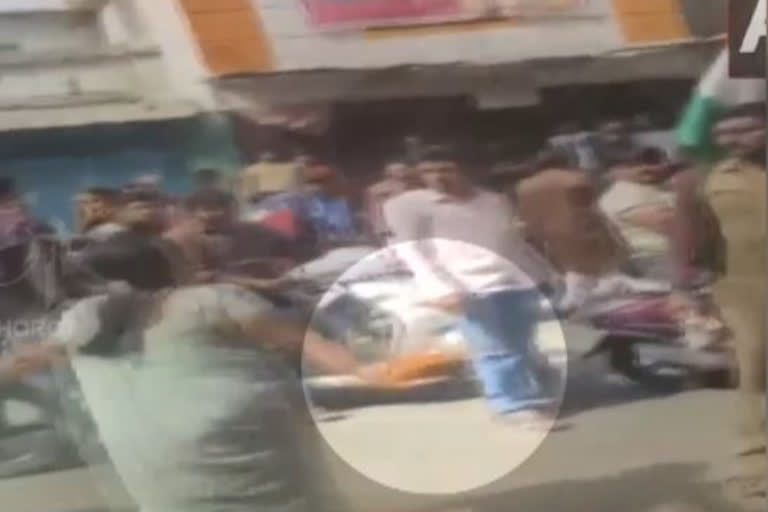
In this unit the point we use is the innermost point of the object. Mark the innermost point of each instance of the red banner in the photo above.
(371, 13)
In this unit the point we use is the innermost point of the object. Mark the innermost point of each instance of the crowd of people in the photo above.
(182, 289)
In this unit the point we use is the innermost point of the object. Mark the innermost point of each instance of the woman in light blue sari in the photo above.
(196, 398)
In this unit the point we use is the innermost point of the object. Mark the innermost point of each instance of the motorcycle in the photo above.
(365, 297)
(647, 344)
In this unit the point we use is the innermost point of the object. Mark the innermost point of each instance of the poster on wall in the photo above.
(362, 14)
(331, 14)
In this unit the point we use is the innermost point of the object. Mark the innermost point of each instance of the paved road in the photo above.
(624, 449)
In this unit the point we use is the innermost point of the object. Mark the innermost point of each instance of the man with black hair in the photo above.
(557, 204)
(138, 224)
(18, 227)
(223, 424)
(613, 143)
(463, 246)
(138, 260)
(16, 222)
(142, 212)
(399, 177)
(642, 208)
(97, 209)
(216, 243)
(577, 144)
(327, 206)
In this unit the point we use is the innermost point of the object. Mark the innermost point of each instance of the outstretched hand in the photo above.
(29, 360)
(453, 303)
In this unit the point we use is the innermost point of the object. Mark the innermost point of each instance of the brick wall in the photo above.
(230, 35)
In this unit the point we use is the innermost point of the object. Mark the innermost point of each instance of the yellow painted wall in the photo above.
(230, 35)
(648, 21)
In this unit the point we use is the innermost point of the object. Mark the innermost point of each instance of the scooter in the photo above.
(647, 344)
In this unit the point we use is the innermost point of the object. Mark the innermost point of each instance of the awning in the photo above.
(493, 86)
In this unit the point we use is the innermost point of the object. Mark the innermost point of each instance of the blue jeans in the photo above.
(499, 329)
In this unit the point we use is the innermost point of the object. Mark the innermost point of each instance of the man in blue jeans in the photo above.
(465, 250)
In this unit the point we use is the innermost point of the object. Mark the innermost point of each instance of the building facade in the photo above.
(298, 63)
(95, 92)
(252, 36)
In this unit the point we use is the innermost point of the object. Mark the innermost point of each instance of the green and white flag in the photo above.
(716, 93)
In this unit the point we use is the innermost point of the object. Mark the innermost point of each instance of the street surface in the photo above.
(621, 449)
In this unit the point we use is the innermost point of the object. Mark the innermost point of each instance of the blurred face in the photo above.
(642, 173)
(142, 214)
(398, 172)
(214, 218)
(445, 177)
(613, 131)
(94, 209)
(321, 179)
(316, 186)
(741, 136)
(654, 173)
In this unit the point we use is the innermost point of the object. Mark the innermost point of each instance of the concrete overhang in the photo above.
(493, 86)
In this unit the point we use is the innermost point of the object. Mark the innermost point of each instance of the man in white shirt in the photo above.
(463, 245)
(643, 210)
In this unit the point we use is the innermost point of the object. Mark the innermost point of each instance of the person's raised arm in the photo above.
(29, 361)
(292, 334)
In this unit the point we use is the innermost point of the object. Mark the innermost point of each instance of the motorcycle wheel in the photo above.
(624, 359)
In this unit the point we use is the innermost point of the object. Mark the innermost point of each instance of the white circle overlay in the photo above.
(425, 446)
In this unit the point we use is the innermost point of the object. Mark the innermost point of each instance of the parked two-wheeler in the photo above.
(647, 344)
(370, 303)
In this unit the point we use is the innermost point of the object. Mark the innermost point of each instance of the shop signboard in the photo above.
(361, 14)
(372, 13)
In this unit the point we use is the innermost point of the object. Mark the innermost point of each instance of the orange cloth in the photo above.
(423, 366)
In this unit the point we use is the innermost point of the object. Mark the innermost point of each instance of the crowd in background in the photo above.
(306, 206)
(587, 208)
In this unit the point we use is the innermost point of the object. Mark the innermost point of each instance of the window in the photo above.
(31, 32)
